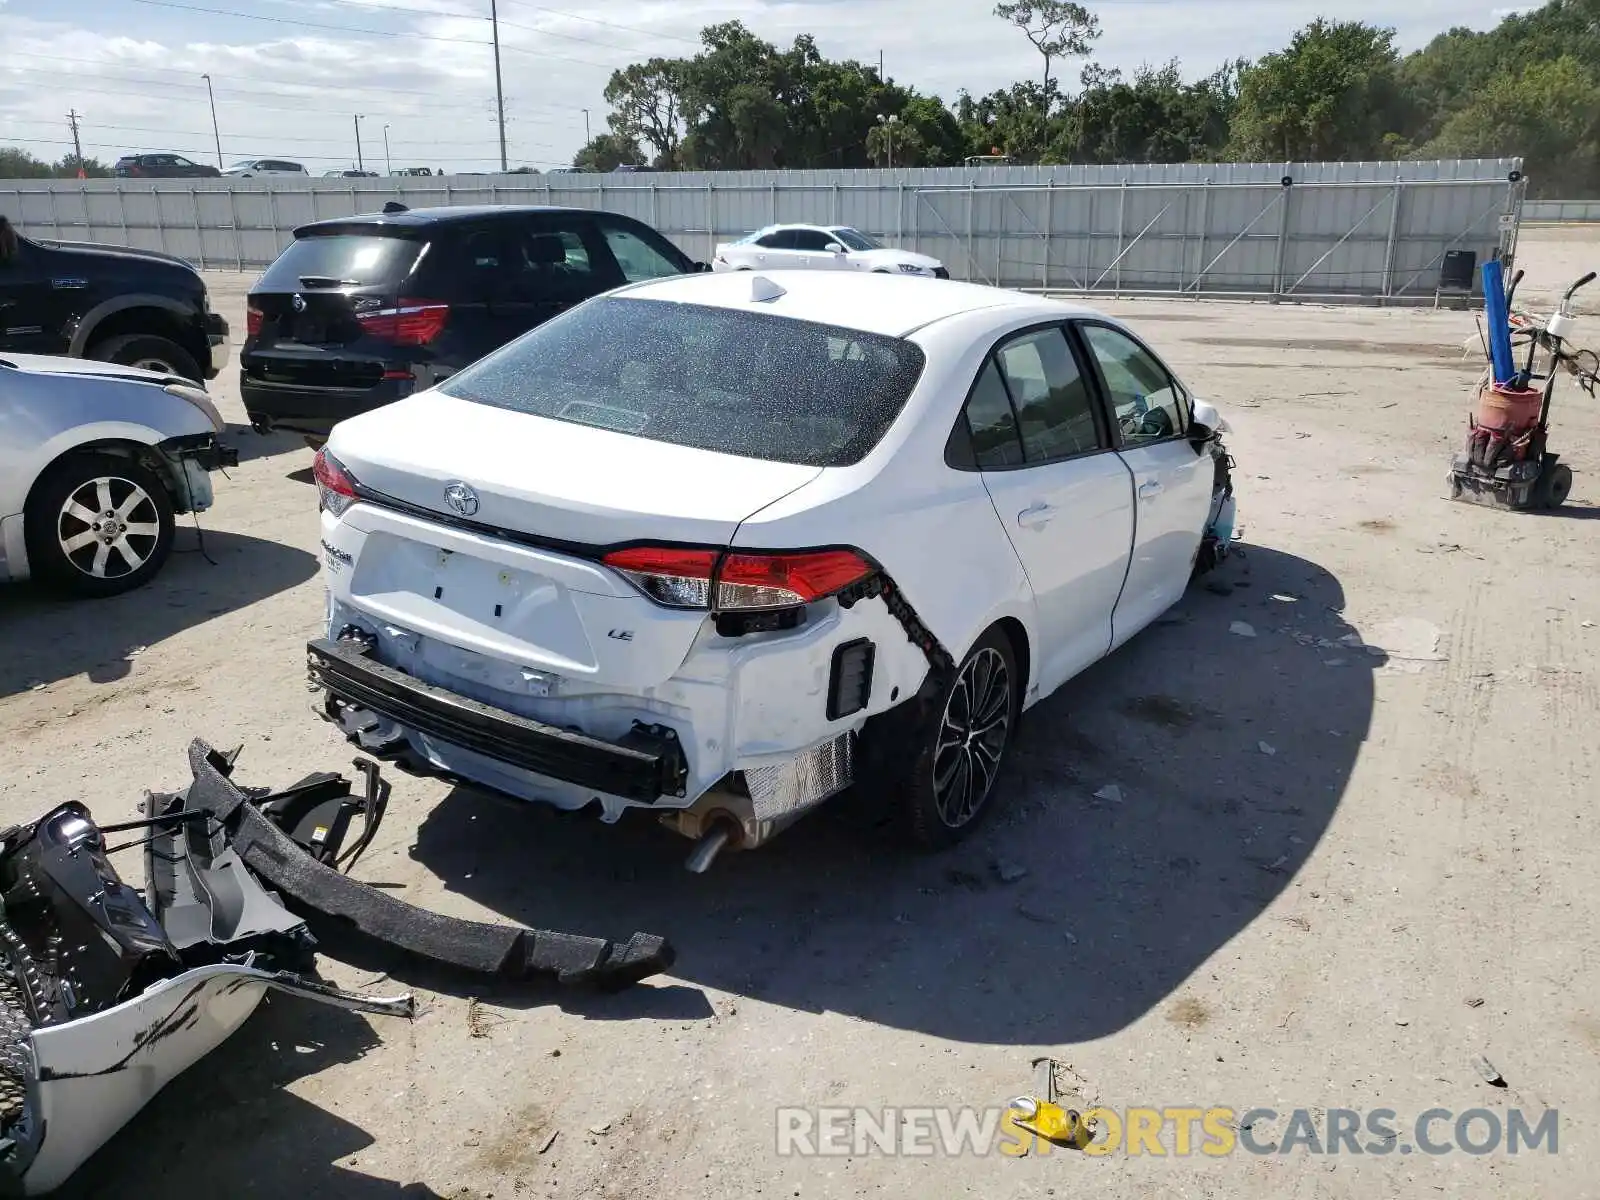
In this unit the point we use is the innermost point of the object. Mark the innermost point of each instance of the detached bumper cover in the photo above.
(651, 767)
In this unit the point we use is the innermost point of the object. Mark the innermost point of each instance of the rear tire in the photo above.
(1556, 486)
(150, 353)
(98, 525)
(958, 748)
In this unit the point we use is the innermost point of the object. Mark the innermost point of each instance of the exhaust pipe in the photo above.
(710, 845)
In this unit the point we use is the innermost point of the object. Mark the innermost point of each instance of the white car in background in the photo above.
(96, 460)
(821, 247)
(251, 167)
(715, 546)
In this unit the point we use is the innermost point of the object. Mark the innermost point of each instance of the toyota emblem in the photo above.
(298, 301)
(461, 499)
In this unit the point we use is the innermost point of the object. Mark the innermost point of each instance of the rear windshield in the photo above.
(735, 382)
(341, 260)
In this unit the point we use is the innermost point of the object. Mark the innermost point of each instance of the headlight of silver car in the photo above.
(200, 400)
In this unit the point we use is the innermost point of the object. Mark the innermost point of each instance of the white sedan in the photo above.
(96, 460)
(716, 546)
(822, 248)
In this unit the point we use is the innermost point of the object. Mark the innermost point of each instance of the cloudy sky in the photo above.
(290, 75)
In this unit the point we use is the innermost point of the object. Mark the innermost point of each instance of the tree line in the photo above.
(1340, 90)
(19, 164)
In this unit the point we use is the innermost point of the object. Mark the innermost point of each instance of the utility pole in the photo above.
(214, 131)
(360, 166)
(586, 138)
(73, 117)
(388, 164)
(499, 93)
(880, 66)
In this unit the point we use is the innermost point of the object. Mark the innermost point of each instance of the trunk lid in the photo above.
(551, 608)
(557, 480)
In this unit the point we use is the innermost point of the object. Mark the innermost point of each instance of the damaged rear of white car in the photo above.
(718, 547)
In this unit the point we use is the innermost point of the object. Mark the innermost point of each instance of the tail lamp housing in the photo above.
(738, 580)
(336, 488)
(410, 322)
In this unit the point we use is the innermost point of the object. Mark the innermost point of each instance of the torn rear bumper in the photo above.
(646, 765)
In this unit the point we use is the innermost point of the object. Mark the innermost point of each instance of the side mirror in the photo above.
(1205, 423)
(834, 248)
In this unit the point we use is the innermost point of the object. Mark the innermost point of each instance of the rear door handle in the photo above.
(1036, 516)
(1150, 489)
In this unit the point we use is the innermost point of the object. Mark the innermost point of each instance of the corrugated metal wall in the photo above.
(1336, 230)
(1561, 210)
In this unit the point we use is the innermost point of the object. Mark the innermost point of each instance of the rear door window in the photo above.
(811, 239)
(341, 260)
(1055, 411)
(782, 239)
(736, 382)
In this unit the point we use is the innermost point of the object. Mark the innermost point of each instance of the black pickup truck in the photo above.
(134, 307)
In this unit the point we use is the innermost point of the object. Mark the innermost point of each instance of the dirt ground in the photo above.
(1329, 876)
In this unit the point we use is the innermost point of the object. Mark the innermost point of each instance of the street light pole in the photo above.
(387, 164)
(214, 131)
(360, 166)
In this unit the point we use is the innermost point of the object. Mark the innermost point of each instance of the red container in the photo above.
(1509, 410)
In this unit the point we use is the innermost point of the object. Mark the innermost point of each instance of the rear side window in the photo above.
(345, 259)
(994, 426)
(750, 384)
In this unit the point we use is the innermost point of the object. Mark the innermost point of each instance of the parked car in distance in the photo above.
(821, 247)
(360, 311)
(718, 546)
(424, 172)
(252, 167)
(352, 173)
(134, 307)
(161, 166)
(96, 460)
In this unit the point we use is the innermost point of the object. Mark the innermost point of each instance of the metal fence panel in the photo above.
(1561, 210)
(1335, 230)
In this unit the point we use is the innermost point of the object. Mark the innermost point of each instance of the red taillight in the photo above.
(408, 323)
(252, 320)
(336, 490)
(695, 578)
(780, 580)
(677, 578)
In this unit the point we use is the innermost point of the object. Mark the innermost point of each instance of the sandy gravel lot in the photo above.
(1404, 883)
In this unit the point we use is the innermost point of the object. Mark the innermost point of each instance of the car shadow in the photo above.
(251, 444)
(1152, 809)
(44, 638)
(229, 1126)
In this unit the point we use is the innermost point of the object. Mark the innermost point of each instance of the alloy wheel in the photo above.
(108, 527)
(972, 737)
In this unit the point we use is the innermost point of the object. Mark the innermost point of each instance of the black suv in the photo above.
(134, 307)
(360, 311)
(161, 166)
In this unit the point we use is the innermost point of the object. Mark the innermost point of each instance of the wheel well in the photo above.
(146, 456)
(1018, 637)
(157, 322)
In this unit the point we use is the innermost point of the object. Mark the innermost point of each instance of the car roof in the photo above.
(452, 215)
(892, 305)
